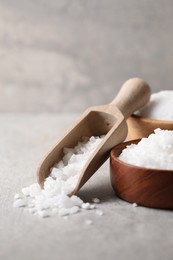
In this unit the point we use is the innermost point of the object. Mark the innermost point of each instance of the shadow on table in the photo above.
(101, 190)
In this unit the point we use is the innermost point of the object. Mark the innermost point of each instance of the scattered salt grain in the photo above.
(54, 199)
(99, 212)
(134, 205)
(19, 203)
(43, 213)
(159, 107)
(86, 205)
(64, 212)
(69, 211)
(26, 191)
(96, 200)
(74, 210)
(92, 206)
(88, 222)
(156, 151)
(17, 196)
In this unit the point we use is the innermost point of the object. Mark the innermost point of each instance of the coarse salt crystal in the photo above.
(86, 205)
(159, 107)
(26, 191)
(34, 190)
(17, 196)
(99, 212)
(65, 202)
(76, 200)
(64, 212)
(134, 205)
(156, 151)
(64, 175)
(74, 210)
(88, 222)
(43, 213)
(19, 203)
(96, 200)
(92, 206)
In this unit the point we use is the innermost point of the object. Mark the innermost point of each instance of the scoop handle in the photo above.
(133, 95)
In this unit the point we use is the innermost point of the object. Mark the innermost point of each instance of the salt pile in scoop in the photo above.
(54, 199)
(159, 107)
(156, 151)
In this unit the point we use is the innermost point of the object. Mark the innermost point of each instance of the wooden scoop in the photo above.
(108, 120)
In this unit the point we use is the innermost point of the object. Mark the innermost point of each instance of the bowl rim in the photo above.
(135, 141)
(149, 119)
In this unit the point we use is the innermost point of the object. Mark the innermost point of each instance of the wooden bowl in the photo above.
(144, 186)
(139, 127)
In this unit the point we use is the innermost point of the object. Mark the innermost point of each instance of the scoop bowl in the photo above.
(144, 186)
(108, 120)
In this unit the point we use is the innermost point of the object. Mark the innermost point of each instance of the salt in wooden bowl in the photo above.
(144, 186)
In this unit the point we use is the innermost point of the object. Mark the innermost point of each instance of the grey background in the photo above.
(57, 58)
(66, 55)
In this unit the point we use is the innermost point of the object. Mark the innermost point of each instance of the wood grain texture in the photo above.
(108, 120)
(147, 187)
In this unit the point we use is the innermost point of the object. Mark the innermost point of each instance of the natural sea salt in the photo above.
(134, 205)
(96, 200)
(156, 151)
(88, 222)
(99, 212)
(159, 107)
(54, 199)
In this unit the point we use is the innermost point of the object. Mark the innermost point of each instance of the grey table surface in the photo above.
(123, 232)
